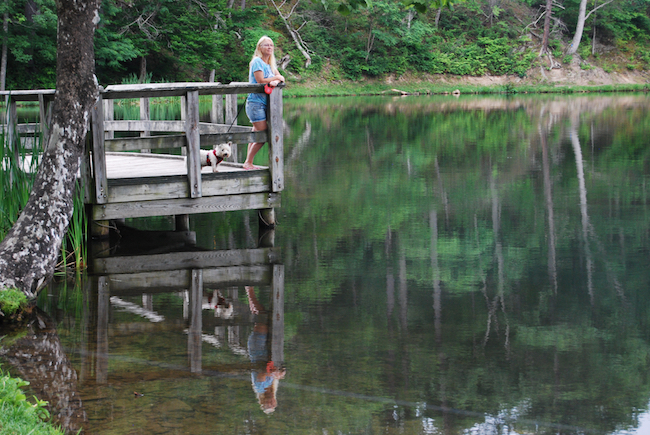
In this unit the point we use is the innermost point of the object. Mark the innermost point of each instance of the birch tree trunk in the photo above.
(577, 37)
(580, 26)
(29, 252)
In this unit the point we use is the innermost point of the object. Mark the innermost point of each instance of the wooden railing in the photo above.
(195, 134)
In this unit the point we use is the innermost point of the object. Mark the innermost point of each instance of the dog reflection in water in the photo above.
(217, 302)
(265, 383)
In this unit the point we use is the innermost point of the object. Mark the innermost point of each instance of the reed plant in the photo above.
(19, 166)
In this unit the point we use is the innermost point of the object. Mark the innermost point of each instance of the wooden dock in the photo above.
(157, 173)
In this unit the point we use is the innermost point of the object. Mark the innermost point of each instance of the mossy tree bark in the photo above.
(29, 252)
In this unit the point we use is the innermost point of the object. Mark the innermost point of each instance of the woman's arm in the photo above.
(259, 77)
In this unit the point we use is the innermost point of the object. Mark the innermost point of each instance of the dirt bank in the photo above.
(567, 75)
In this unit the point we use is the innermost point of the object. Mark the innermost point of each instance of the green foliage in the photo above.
(17, 415)
(185, 40)
(12, 301)
(31, 42)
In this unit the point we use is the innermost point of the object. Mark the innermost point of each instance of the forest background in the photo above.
(318, 42)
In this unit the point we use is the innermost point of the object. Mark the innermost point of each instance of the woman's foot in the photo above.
(249, 166)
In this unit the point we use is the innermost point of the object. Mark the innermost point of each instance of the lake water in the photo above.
(471, 265)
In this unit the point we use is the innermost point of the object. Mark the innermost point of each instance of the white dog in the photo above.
(215, 156)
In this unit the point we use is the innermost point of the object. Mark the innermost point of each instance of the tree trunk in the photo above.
(3, 61)
(143, 69)
(580, 26)
(29, 252)
(582, 17)
(547, 27)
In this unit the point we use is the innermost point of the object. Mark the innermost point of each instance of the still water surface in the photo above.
(445, 266)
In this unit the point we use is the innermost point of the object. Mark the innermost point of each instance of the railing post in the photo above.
(109, 115)
(99, 153)
(231, 119)
(12, 120)
(276, 140)
(43, 118)
(193, 144)
(144, 116)
(216, 110)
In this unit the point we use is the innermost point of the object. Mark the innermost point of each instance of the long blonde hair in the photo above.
(258, 53)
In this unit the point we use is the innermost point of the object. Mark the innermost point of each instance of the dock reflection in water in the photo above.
(171, 340)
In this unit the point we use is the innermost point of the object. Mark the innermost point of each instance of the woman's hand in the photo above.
(278, 77)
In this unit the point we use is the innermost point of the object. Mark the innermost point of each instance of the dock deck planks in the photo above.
(132, 165)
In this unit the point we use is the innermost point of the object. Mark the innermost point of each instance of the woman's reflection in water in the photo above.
(265, 383)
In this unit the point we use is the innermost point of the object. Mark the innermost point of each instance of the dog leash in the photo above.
(267, 90)
(236, 116)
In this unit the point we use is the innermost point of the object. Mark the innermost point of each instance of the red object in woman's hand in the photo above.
(268, 89)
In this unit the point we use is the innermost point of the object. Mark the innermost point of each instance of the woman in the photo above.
(263, 70)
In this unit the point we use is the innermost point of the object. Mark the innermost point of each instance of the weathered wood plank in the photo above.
(152, 143)
(176, 89)
(193, 145)
(167, 207)
(186, 260)
(136, 283)
(137, 125)
(29, 95)
(179, 141)
(175, 187)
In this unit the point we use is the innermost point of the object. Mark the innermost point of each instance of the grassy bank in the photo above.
(308, 88)
(17, 415)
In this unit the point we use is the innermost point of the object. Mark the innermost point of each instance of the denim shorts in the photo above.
(256, 111)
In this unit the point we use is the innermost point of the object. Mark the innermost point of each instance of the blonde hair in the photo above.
(258, 53)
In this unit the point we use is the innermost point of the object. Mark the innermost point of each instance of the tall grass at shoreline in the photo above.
(19, 167)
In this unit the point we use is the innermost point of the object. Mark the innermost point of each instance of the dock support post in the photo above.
(267, 218)
(182, 222)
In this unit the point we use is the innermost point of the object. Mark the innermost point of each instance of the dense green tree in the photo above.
(30, 38)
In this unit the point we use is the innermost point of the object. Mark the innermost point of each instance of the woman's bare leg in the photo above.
(253, 148)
